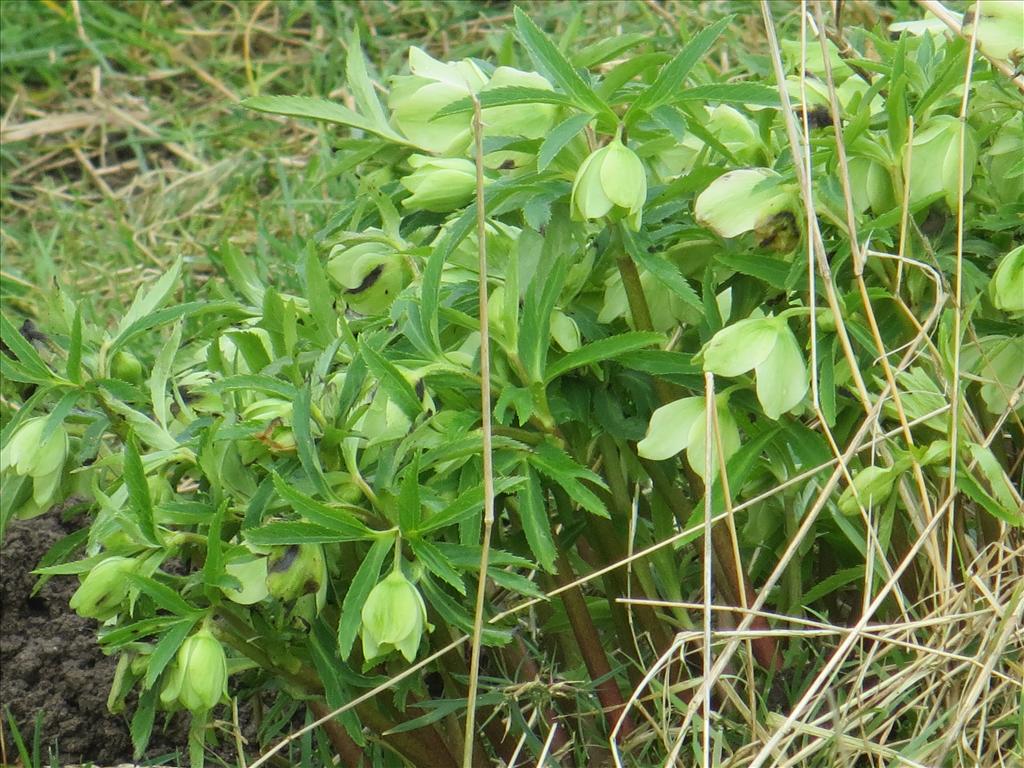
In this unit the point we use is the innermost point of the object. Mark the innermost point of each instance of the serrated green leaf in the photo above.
(533, 516)
(166, 647)
(162, 595)
(556, 465)
(561, 135)
(148, 300)
(302, 428)
(437, 564)
(663, 271)
(359, 83)
(140, 503)
(325, 111)
(466, 504)
(505, 96)
(551, 61)
(602, 349)
(282, 533)
(409, 507)
(161, 373)
(74, 366)
(669, 82)
(23, 350)
(392, 381)
(335, 519)
(362, 583)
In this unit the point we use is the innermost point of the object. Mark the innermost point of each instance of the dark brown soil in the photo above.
(50, 662)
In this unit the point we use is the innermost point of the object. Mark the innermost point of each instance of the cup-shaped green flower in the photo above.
(251, 573)
(127, 367)
(767, 346)
(439, 184)
(433, 85)
(682, 426)
(612, 177)
(871, 486)
(29, 455)
(104, 588)
(204, 672)
(393, 618)
(935, 162)
(742, 201)
(370, 274)
(532, 122)
(296, 570)
(1007, 286)
(1000, 28)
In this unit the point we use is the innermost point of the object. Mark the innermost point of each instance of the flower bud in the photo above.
(533, 121)
(126, 366)
(682, 426)
(439, 184)
(204, 672)
(611, 177)
(103, 589)
(371, 275)
(1007, 286)
(935, 163)
(433, 85)
(296, 570)
(393, 618)
(742, 201)
(871, 486)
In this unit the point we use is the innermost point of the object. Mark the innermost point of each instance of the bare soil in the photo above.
(51, 663)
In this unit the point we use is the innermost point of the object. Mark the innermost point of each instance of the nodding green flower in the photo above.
(767, 346)
(742, 201)
(371, 275)
(393, 618)
(296, 570)
(1007, 286)
(103, 589)
(276, 412)
(28, 455)
(252, 578)
(612, 177)
(531, 122)
(202, 672)
(433, 85)
(682, 426)
(439, 184)
(935, 160)
(1000, 28)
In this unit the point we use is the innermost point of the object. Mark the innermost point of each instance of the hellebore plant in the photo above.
(279, 474)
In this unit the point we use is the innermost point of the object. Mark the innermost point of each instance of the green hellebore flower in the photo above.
(393, 618)
(371, 274)
(768, 347)
(103, 589)
(611, 177)
(935, 163)
(533, 122)
(433, 85)
(1000, 28)
(439, 184)
(252, 575)
(296, 570)
(871, 486)
(742, 200)
(682, 426)
(870, 182)
(204, 672)
(1007, 286)
(564, 331)
(43, 461)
